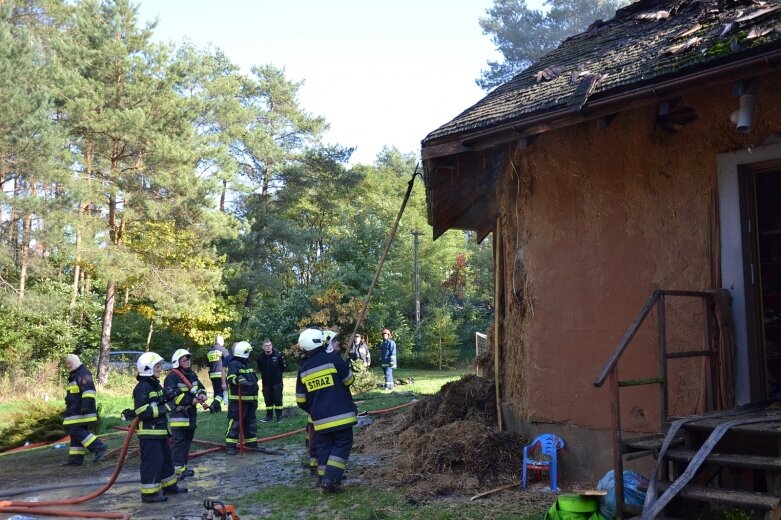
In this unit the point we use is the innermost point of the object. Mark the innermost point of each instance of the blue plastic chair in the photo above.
(542, 455)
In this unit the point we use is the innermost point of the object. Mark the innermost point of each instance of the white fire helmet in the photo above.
(178, 355)
(242, 349)
(146, 363)
(310, 339)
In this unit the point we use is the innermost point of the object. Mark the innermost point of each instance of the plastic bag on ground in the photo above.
(633, 483)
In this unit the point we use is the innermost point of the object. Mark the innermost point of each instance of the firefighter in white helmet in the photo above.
(242, 388)
(184, 383)
(151, 405)
(323, 391)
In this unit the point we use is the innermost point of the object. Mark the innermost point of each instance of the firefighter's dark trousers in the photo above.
(181, 440)
(248, 420)
(272, 395)
(81, 441)
(333, 450)
(218, 388)
(157, 470)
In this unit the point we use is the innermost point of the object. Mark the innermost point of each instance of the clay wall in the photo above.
(593, 221)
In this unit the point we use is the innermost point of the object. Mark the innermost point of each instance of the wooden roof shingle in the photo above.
(647, 42)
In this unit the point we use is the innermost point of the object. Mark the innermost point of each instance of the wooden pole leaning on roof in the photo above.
(351, 339)
(497, 295)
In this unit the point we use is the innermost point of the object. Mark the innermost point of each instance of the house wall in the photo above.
(593, 221)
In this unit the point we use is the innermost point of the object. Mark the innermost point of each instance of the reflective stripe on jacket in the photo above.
(322, 390)
(238, 369)
(216, 357)
(148, 402)
(183, 414)
(80, 398)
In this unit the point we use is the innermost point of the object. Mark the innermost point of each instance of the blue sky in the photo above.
(382, 72)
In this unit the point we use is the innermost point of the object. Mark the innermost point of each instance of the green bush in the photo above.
(33, 421)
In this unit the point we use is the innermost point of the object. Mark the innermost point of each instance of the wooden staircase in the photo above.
(742, 470)
(718, 460)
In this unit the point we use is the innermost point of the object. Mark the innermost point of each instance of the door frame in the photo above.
(735, 175)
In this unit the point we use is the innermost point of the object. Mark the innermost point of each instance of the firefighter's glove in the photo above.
(243, 381)
(225, 397)
(393, 365)
(169, 394)
(215, 406)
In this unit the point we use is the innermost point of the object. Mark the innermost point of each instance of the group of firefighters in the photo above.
(168, 409)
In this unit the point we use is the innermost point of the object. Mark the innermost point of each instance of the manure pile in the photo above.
(447, 442)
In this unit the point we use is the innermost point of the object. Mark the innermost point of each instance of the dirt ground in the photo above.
(444, 448)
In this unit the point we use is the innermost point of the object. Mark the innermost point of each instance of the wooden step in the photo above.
(772, 428)
(648, 442)
(730, 497)
(728, 459)
(657, 518)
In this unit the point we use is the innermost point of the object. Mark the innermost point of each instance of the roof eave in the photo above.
(540, 122)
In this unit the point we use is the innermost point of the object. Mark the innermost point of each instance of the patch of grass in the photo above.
(367, 503)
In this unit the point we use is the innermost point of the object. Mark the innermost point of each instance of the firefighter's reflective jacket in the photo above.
(80, 398)
(241, 375)
(183, 413)
(323, 391)
(216, 356)
(150, 405)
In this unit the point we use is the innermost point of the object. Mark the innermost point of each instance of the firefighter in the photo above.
(323, 391)
(81, 413)
(242, 394)
(152, 404)
(218, 360)
(183, 381)
(271, 365)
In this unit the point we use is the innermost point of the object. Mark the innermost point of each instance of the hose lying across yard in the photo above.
(44, 508)
(37, 508)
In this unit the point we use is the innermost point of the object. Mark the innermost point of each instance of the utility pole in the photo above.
(415, 244)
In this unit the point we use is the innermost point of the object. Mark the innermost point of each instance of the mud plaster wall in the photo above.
(592, 222)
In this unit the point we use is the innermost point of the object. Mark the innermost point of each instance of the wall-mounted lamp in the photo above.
(743, 117)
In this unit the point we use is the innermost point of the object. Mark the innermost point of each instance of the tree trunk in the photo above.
(24, 259)
(83, 210)
(440, 354)
(149, 335)
(222, 195)
(249, 303)
(12, 231)
(105, 336)
(76, 274)
(3, 178)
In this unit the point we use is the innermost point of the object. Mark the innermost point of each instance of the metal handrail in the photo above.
(610, 370)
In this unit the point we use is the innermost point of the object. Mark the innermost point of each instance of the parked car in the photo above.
(125, 360)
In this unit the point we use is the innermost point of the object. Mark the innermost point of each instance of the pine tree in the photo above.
(524, 35)
(137, 145)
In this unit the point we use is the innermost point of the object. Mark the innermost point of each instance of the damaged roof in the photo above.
(647, 42)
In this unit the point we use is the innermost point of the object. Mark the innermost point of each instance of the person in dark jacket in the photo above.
(271, 365)
(183, 382)
(217, 356)
(81, 413)
(388, 357)
(323, 391)
(242, 394)
(152, 404)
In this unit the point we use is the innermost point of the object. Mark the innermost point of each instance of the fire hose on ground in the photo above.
(37, 508)
(43, 508)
